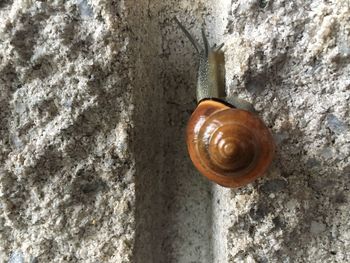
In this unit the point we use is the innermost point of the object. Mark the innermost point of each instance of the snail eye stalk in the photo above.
(188, 35)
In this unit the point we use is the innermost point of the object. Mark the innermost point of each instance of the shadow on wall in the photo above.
(148, 137)
(173, 208)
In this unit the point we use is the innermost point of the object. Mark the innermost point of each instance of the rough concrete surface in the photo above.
(94, 100)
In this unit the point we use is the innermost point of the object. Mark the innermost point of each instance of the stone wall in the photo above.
(94, 100)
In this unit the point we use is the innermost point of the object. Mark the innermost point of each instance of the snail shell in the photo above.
(229, 146)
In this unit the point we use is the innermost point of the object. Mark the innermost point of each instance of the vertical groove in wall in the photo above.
(173, 202)
(148, 132)
(187, 206)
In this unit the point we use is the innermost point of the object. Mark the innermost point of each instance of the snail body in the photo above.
(227, 142)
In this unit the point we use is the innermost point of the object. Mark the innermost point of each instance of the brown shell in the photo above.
(231, 147)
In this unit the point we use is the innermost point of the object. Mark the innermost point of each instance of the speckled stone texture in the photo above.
(94, 100)
(67, 187)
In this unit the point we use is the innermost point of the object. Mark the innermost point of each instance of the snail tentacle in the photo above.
(206, 44)
(189, 36)
(217, 48)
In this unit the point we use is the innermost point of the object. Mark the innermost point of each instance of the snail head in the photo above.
(211, 72)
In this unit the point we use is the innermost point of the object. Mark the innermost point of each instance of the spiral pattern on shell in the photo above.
(229, 146)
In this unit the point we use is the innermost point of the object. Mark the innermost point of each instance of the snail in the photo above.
(227, 141)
